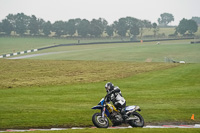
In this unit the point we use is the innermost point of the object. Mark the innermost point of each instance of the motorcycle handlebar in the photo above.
(107, 96)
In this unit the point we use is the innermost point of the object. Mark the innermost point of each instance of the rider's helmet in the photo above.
(109, 86)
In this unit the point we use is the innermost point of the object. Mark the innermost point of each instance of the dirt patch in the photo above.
(148, 60)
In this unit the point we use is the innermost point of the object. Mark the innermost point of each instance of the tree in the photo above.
(192, 26)
(110, 30)
(185, 25)
(197, 19)
(182, 27)
(40, 23)
(165, 19)
(121, 27)
(127, 25)
(60, 28)
(134, 30)
(47, 27)
(130, 21)
(1, 27)
(95, 30)
(97, 26)
(11, 19)
(77, 22)
(83, 28)
(7, 27)
(71, 27)
(155, 29)
(21, 22)
(33, 25)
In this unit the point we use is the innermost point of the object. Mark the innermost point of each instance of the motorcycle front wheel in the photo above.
(99, 121)
(137, 121)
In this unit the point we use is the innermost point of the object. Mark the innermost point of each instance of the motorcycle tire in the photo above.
(99, 121)
(138, 121)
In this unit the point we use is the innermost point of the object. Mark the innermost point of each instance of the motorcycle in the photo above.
(109, 111)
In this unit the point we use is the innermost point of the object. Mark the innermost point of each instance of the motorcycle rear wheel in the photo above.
(138, 120)
(99, 121)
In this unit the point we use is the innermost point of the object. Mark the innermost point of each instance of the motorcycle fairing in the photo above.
(130, 108)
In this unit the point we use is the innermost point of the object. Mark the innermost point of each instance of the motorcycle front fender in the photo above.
(101, 108)
(97, 107)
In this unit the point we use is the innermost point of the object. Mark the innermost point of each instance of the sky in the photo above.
(111, 10)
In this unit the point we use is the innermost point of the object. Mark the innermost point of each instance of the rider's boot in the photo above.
(124, 115)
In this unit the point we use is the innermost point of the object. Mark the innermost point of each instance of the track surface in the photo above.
(51, 53)
(148, 126)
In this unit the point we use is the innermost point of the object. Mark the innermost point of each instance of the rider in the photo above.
(114, 95)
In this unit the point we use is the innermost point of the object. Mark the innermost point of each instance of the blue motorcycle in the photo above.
(100, 120)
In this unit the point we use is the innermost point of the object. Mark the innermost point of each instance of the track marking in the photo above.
(75, 128)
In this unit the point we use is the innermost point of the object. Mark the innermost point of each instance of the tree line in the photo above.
(22, 24)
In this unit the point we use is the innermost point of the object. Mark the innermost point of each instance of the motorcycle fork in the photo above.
(103, 112)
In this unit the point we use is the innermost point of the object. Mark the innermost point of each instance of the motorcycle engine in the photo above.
(116, 118)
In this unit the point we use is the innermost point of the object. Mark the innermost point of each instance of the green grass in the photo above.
(17, 44)
(164, 95)
(59, 90)
(133, 52)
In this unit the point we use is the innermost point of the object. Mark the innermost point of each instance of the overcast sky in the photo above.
(110, 10)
